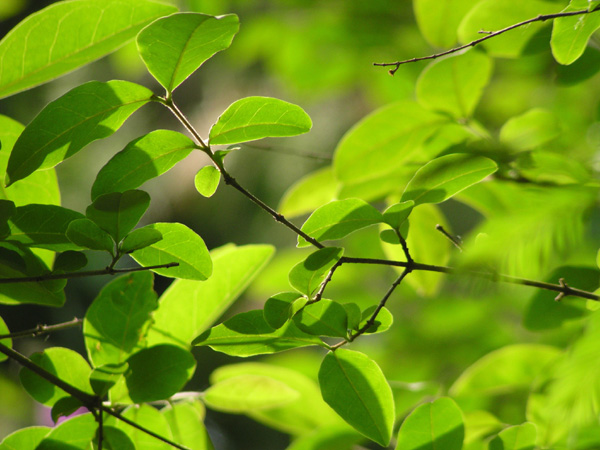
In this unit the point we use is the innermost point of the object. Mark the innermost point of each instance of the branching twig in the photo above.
(87, 273)
(325, 282)
(488, 35)
(42, 329)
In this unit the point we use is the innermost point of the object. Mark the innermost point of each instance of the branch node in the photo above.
(565, 292)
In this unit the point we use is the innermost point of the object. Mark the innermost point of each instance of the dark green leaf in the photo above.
(353, 313)
(532, 129)
(117, 320)
(69, 261)
(85, 233)
(323, 318)
(73, 434)
(141, 160)
(7, 209)
(105, 377)
(519, 437)
(307, 275)
(65, 407)
(355, 387)
(8, 342)
(207, 180)
(279, 308)
(440, 179)
(338, 219)
(189, 307)
(25, 438)
(118, 212)
(174, 47)
(178, 244)
(115, 439)
(248, 334)
(254, 118)
(43, 226)
(66, 364)
(156, 373)
(248, 393)
(92, 111)
(67, 35)
(570, 35)
(438, 424)
(140, 238)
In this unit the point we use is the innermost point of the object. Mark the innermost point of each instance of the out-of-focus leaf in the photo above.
(309, 193)
(186, 422)
(532, 129)
(519, 437)
(438, 21)
(25, 438)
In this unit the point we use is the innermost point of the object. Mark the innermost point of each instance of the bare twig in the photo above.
(452, 239)
(42, 329)
(324, 283)
(488, 35)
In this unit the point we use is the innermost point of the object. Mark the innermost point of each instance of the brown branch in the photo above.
(488, 35)
(87, 273)
(42, 329)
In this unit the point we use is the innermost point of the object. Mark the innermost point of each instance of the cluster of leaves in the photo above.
(391, 170)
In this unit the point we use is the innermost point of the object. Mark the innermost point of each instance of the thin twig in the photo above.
(42, 329)
(452, 239)
(488, 35)
(87, 273)
(325, 282)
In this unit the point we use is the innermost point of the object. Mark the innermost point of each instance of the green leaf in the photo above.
(438, 21)
(308, 193)
(455, 84)
(381, 143)
(85, 233)
(323, 318)
(543, 313)
(92, 111)
(67, 35)
(207, 180)
(39, 187)
(113, 439)
(492, 15)
(65, 407)
(443, 177)
(519, 437)
(25, 438)
(43, 226)
(140, 238)
(174, 47)
(188, 307)
(8, 342)
(69, 261)
(335, 437)
(355, 387)
(186, 422)
(147, 417)
(254, 118)
(73, 434)
(354, 314)
(156, 373)
(338, 219)
(280, 308)
(383, 321)
(118, 212)
(533, 129)
(397, 214)
(102, 379)
(505, 370)
(178, 244)
(570, 35)
(117, 320)
(248, 393)
(7, 209)
(438, 424)
(248, 334)
(66, 364)
(142, 159)
(308, 275)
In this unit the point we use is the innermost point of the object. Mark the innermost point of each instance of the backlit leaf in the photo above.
(178, 244)
(519, 437)
(438, 424)
(397, 214)
(323, 318)
(25, 438)
(338, 219)
(308, 193)
(67, 35)
(532, 129)
(207, 180)
(383, 321)
(279, 308)
(73, 434)
(187, 425)
(441, 178)
(254, 118)
(92, 111)
(174, 47)
(438, 21)
(355, 387)
(570, 35)
(308, 274)
(148, 417)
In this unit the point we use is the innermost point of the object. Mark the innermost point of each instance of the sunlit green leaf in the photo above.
(85, 233)
(323, 318)
(338, 219)
(383, 321)
(438, 21)
(570, 35)
(178, 244)
(519, 437)
(174, 47)
(67, 35)
(279, 308)
(186, 422)
(118, 318)
(92, 111)
(247, 393)
(254, 118)
(142, 159)
(308, 274)
(25, 438)
(532, 129)
(118, 212)
(438, 424)
(248, 334)
(441, 178)
(73, 434)
(189, 307)
(147, 417)
(66, 364)
(355, 387)
(102, 379)
(207, 180)
(397, 214)
(455, 84)
(308, 193)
